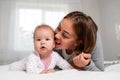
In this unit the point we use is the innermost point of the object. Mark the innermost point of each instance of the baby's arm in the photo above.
(62, 63)
(18, 65)
(32, 65)
(47, 71)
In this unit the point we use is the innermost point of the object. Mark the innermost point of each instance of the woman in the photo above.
(76, 37)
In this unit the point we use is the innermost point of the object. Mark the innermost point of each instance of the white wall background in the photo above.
(104, 12)
(110, 28)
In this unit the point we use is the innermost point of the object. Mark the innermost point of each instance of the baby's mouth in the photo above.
(42, 47)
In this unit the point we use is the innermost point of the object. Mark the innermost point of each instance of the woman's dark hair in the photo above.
(86, 30)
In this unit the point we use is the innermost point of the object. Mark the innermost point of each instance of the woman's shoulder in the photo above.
(58, 51)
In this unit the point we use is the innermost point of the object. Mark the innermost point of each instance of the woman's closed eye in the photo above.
(64, 35)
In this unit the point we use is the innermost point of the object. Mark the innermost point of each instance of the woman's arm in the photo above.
(97, 60)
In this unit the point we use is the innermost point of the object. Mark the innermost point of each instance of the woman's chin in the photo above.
(57, 47)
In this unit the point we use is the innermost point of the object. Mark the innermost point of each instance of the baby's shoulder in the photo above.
(56, 55)
(32, 55)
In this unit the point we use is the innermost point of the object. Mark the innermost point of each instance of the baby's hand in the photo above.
(50, 70)
(43, 71)
(47, 71)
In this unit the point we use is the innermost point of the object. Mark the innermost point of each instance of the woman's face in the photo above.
(65, 36)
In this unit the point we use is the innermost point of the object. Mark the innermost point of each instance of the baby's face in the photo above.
(44, 41)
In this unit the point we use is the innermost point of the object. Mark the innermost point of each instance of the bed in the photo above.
(112, 72)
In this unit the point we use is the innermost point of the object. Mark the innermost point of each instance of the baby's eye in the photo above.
(38, 39)
(47, 39)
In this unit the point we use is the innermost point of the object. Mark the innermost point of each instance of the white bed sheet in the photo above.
(72, 74)
(115, 67)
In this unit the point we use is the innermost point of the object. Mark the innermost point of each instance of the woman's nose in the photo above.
(57, 35)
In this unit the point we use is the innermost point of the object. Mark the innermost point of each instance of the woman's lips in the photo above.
(57, 46)
(57, 43)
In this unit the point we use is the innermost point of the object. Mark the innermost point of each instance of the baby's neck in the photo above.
(45, 56)
(46, 60)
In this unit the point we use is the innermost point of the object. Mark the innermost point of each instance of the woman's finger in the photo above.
(86, 56)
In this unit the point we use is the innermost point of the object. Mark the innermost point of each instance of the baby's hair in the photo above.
(42, 26)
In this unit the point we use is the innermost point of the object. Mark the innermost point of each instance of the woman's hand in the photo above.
(82, 60)
(47, 71)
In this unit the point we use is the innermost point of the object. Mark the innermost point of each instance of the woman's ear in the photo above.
(79, 47)
(78, 42)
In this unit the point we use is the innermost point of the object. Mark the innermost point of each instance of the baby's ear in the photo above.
(54, 45)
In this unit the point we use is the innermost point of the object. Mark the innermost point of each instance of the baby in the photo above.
(43, 59)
